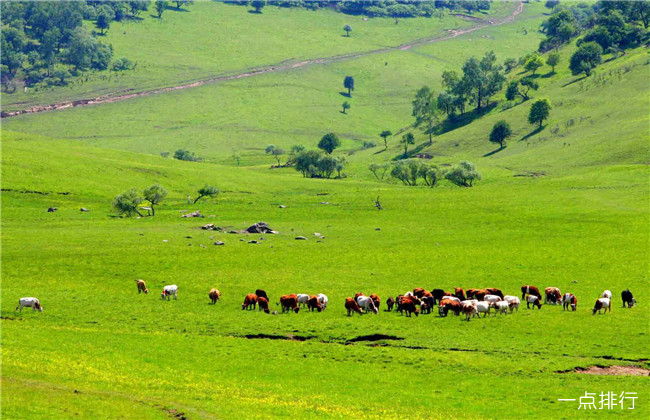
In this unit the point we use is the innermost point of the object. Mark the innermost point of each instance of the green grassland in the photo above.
(99, 350)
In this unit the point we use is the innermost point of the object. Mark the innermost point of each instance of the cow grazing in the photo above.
(250, 301)
(356, 295)
(261, 293)
(602, 303)
(483, 308)
(533, 300)
(627, 298)
(552, 295)
(168, 291)
(390, 302)
(480, 294)
(491, 298)
(376, 300)
(469, 311)
(263, 304)
(418, 292)
(366, 304)
(569, 301)
(530, 290)
(438, 294)
(322, 299)
(470, 293)
(447, 305)
(427, 304)
(501, 307)
(352, 306)
(459, 293)
(408, 305)
(214, 295)
(303, 299)
(142, 286)
(29, 302)
(513, 302)
(607, 294)
(313, 303)
(289, 303)
(496, 292)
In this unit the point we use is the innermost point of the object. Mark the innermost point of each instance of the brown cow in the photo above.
(459, 293)
(447, 305)
(419, 291)
(357, 295)
(530, 290)
(214, 295)
(376, 300)
(470, 293)
(469, 311)
(289, 303)
(553, 295)
(480, 294)
(569, 300)
(496, 292)
(142, 286)
(390, 302)
(263, 304)
(352, 306)
(409, 306)
(250, 301)
(313, 303)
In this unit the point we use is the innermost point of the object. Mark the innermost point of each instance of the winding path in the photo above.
(453, 33)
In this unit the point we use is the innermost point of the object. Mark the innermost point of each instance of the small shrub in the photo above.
(463, 174)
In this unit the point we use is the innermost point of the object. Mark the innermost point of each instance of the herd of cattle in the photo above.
(470, 302)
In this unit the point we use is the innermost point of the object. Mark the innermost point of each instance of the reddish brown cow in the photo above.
(289, 303)
(250, 301)
(409, 306)
(376, 300)
(263, 304)
(470, 293)
(459, 293)
(142, 286)
(530, 290)
(447, 305)
(313, 303)
(480, 294)
(496, 292)
(356, 295)
(390, 302)
(553, 295)
(418, 291)
(352, 306)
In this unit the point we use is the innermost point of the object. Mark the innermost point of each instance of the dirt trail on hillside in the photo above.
(451, 33)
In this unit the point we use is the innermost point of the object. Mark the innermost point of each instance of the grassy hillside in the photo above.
(100, 350)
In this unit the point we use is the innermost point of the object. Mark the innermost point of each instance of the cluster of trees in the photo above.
(613, 25)
(319, 163)
(410, 171)
(47, 42)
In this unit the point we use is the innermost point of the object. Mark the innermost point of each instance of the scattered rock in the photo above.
(377, 228)
(193, 214)
(165, 240)
(253, 241)
(324, 202)
(260, 227)
(83, 209)
(209, 226)
(316, 234)
(300, 238)
(52, 209)
(219, 243)
(282, 206)
(202, 246)
(188, 237)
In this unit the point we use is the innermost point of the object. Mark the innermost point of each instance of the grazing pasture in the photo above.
(565, 208)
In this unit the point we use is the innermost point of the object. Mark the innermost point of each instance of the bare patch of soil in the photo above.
(610, 370)
(289, 337)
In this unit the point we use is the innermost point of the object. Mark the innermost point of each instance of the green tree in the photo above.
(105, 15)
(180, 3)
(500, 132)
(161, 6)
(347, 29)
(586, 58)
(539, 111)
(534, 63)
(345, 106)
(207, 191)
(407, 139)
(375, 168)
(463, 174)
(510, 64)
(384, 135)
(482, 79)
(521, 88)
(329, 142)
(81, 49)
(348, 83)
(155, 194)
(276, 152)
(127, 203)
(258, 5)
(553, 60)
(424, 109)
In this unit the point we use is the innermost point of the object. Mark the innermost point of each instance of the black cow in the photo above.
(261, 293)
(437, 295)
(627, 297)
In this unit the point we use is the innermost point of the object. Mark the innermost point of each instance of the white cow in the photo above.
(30, 302)
(366, 304)
(533, 300)
(607, 294)
(491, 298)
(483, 308)
(303, 299)
(168, 291)
(322, 299)
(602, 303)
(501, 307)
(513, 301)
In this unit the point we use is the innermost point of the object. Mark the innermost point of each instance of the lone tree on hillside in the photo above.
(553, 60)
(586, 57)
(154, 195)
(329, 142)
(539, 111)
(463, 174)
(161, 5)
(347, 29)
(384, 135)
(207, 191)
(258, 5)
(500, 132)
(407, 139)
(348, 83)
(275, 151)
(521, 88)
(127, 203)
(424, 109)
(534, 63)
(345, 106)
